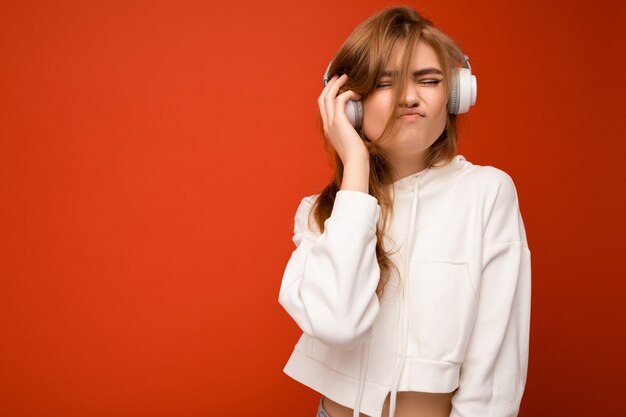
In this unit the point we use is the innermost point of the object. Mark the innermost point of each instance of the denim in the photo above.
(321, 411)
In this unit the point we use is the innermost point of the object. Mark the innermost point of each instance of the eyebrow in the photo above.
(423, 71)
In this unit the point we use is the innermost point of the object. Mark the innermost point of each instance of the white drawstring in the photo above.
(410, 236)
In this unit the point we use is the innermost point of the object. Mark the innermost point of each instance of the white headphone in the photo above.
(464, 89)
(462, 95)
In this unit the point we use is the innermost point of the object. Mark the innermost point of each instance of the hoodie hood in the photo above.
(406, 184)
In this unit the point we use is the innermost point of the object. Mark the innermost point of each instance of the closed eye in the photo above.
(425, 82)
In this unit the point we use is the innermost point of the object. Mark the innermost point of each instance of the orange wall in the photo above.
(152, 155)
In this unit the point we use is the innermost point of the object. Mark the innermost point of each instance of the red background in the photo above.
(152, 156)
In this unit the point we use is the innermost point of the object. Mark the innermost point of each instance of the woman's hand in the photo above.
(337, 127)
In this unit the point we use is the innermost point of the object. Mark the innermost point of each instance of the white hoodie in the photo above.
(463, 319)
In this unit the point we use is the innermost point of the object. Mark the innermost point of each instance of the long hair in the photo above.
(363, 57)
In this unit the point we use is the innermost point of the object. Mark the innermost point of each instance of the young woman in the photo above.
(411, 274)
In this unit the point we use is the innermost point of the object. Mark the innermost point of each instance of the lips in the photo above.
(409, 112)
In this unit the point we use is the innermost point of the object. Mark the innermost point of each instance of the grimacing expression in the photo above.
(424, 92)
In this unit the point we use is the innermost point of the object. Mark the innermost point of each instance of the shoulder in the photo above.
(491, 182)
(306, 204)
(310, 199)
(489, 176)
(302, 222)
(500, 209)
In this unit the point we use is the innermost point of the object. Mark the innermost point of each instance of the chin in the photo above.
(411, 146)
(412, 140)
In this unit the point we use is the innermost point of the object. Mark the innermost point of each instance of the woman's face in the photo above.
(424, 92)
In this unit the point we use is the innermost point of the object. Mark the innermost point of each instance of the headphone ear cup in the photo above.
(354, 111)
(463, 92)
(453, 101)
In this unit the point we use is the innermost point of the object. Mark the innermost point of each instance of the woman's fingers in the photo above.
(337, 128)
(340, 103)
(330, 96)
(322, 103)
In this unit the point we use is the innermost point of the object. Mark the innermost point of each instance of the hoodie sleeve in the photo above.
(329, 283)
(493, 373)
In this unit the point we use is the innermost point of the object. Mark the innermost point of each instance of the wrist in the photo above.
(356, 175)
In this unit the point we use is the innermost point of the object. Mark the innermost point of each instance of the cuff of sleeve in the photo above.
(357, 205)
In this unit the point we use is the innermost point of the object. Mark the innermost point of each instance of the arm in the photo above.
(493, 374)
(329, 283)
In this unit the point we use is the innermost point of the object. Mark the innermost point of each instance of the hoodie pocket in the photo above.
(441, 310)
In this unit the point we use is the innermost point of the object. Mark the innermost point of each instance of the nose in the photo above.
(410, 96)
